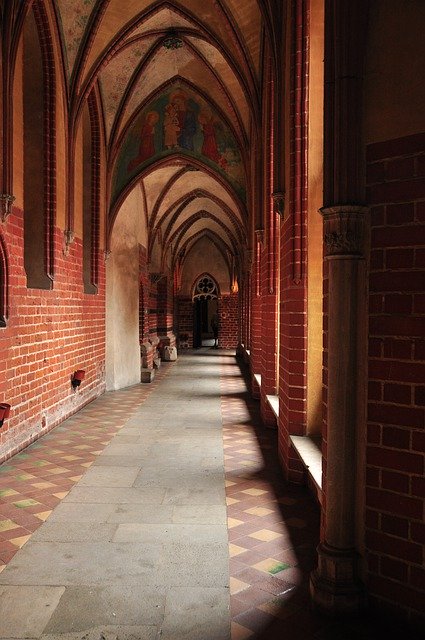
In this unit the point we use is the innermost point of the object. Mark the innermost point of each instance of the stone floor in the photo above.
(113, 526)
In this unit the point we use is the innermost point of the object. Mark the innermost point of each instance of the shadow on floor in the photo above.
(280, 607)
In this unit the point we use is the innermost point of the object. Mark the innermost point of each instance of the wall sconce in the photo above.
(77, 377)
(69, 237)
(4, 412)
(6, 202)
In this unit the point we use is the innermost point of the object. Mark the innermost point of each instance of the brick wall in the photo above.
(256, 318)
(293, 258)
(49, 335)
(228, 336)
(396, 402)
(144, 295)
(293, 356)
(165, 309)
(185, 320)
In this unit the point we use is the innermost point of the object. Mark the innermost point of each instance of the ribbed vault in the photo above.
(177, 87)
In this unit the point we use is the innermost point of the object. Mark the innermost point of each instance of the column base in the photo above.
(147, 375)
(334, 585)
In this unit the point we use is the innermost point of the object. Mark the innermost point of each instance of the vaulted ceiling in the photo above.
(179, 86)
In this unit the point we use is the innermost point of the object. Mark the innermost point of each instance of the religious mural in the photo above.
(180, 121)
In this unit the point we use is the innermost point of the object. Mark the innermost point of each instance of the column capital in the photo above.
(344, 231)
(278, 198)
(259, 234)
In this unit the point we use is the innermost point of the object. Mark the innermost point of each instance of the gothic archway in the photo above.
(205, 311)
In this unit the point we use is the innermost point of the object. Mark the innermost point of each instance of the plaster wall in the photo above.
(204, 257)
(122, 295)
(315, 223)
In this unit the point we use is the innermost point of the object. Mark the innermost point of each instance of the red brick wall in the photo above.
(268, 346)
(268, 357)
(144, 295)
(256, 317)
(228, 336)
(293, 259)
(396, 403)
(228, 310)
(185, 319)
(165, 310)
(145, 318)
(49, 335)
(293, 357)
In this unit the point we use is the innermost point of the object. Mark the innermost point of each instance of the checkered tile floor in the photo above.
(33, 482)
(273, 527)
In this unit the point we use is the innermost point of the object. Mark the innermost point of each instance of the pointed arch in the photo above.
(4, 284)
(39, 177)
(177, 159)
(91, 194)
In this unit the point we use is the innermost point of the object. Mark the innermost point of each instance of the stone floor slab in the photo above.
(25, 611)
(170, 534)
(80, 512)
(112, 605)
(99, 495)
(109, 633)
(195, 614)
(90, 563)
(64, 531)
(109, 477)
(199, 514)
(144, 513)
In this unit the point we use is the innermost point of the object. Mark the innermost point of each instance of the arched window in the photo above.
(205, 309)
(39, 149)
(205, 289)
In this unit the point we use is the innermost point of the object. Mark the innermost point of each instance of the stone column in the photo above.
(335, 584)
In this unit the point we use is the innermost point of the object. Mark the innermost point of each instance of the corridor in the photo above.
(113, 526)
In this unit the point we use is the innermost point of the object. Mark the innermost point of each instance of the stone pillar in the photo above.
(335, 584)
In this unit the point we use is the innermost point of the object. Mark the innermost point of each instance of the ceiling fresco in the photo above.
(74, 17)
(116, 76)
(178, 84)
(178, 121)
(163, 17)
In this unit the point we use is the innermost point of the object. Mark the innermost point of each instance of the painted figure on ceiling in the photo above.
(147, 140)
(171, 126)
(209, 145)
(187, 120)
